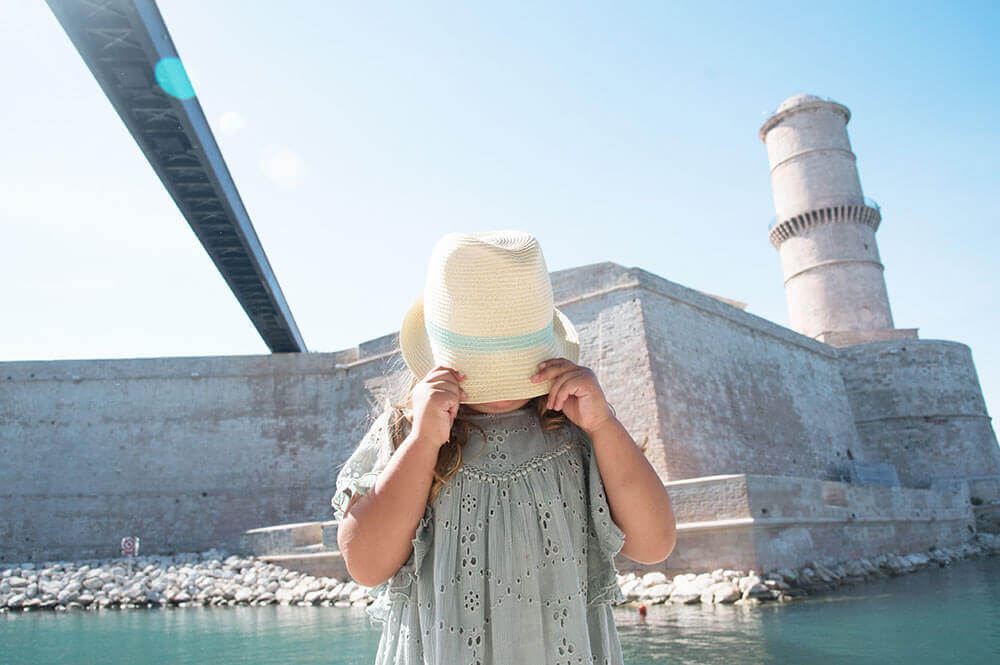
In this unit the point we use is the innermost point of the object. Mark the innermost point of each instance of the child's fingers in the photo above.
(451, 377)
(443, 371)
(449, 384)
(446, 378)
(451, 389)
(549, 368)
(445, 368)
(559, 392)
(553, 395)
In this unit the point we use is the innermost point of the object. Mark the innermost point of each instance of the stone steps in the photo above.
(307, 547)
(316, 563)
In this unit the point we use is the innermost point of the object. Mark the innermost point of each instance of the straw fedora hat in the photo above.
(487, 311)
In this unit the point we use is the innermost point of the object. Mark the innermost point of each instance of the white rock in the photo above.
(685, 592)
(284, 596)
(632, 589)
(703, 582)
(724, 592)
(346, 591)
(855, 569)
(749, 581)
(654, 578)
(682, 578)
(658, 590)
(68, 595)
(757, 591)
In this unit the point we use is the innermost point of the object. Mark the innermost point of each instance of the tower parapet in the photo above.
(825, 227)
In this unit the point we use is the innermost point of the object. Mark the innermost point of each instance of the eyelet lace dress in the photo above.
(514, 561)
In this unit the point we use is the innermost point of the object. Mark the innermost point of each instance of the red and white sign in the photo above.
(130, 546)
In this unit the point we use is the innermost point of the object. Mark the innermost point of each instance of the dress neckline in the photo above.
(482, 415)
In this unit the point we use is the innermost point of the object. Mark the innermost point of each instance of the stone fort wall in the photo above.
(188, 453)
(918, 405)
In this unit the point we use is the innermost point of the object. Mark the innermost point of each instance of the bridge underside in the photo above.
(127, 47)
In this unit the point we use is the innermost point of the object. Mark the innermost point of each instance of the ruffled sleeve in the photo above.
(363, 467)
(402, 585)
(606, 537)
(358, 476)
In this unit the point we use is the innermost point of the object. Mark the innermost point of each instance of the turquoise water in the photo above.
(939, 615)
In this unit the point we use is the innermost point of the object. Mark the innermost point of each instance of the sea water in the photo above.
(936, 615)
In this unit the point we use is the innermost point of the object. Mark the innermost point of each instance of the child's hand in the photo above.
(576, 392)
(435, 404)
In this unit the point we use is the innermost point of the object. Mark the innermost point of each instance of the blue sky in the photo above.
(359, 133)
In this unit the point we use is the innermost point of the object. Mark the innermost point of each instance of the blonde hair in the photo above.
(450, 455)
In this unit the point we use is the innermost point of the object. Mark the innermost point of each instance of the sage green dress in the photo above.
(514, 560)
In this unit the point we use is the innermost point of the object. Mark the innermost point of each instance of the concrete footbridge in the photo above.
(127, 47)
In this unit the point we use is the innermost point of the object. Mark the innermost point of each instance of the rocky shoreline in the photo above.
(212, 578)
(752, 587)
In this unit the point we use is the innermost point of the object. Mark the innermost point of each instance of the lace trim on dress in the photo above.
(519, 470)
(363, 467)
(603, 588)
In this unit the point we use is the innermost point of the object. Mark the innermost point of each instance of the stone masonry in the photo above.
(738, 415)
(842, 437)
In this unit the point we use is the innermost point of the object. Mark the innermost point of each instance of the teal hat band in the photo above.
(454, 340)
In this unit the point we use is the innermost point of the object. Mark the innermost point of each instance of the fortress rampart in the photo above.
(747, 422)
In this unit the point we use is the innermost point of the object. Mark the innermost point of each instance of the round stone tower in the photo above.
(825, 228)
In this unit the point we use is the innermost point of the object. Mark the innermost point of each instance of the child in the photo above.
(476, 507)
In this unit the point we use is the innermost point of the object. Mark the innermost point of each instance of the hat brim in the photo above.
(502, 383)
